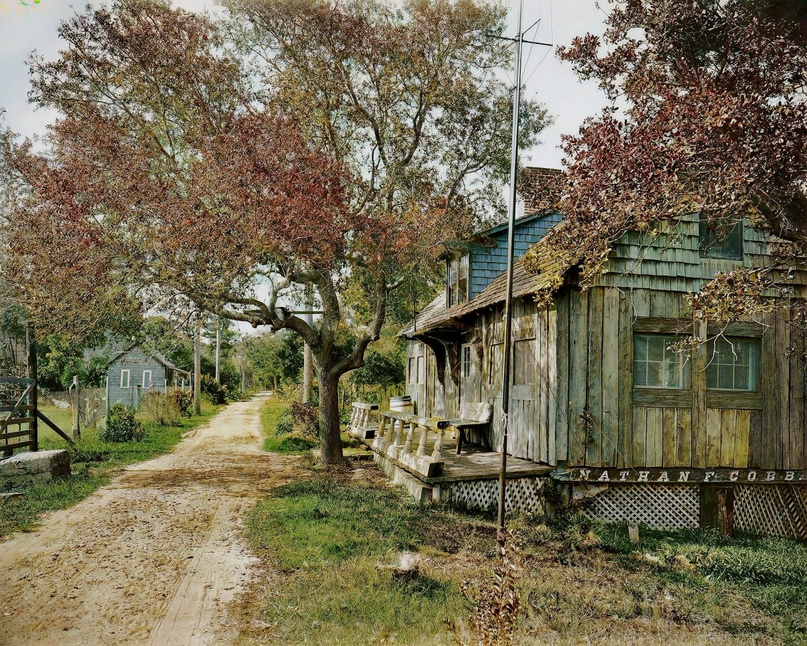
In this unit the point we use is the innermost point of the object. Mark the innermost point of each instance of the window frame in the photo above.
(529, 344)
(710, 247)
(754, 364)
(455, 279)
(465, 361)
(128, 373)
(150, 374)
(684, 382)
(495, 359)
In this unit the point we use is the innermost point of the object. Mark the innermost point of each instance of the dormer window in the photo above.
(457, 280)
(723, 241)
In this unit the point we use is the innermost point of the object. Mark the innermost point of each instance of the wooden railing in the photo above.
(403, 437)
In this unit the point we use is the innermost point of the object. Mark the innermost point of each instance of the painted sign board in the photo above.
(682, 475)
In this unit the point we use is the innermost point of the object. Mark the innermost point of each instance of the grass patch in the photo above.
(329, 537)
(274, 424)
(581, 580)
(279, 436)
(313, 523)
(711, 576)
(92, 462)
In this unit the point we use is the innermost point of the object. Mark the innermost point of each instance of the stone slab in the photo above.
(38, 466)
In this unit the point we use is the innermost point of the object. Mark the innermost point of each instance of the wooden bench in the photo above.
(360, 425)
(475, 415)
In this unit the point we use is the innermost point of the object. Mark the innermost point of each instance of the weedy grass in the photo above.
(92, 463)
(335, 542)
(744, 584)
(325, 537)
(273, 413)
(279, 436)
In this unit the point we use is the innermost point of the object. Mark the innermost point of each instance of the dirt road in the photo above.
(152, 557)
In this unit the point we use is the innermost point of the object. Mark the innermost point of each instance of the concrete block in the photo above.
(37, 467)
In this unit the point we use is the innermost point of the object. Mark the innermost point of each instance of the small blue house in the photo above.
(132, 373)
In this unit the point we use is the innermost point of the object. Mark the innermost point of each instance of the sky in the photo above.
(27, 25)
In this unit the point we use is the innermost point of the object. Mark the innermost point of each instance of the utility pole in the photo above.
(218, 346)
(197, 370)
(508, 323)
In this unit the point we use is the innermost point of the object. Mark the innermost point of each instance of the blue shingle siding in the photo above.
(488, 262)
(136, 362)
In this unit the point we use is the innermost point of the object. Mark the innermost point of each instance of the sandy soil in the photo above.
(152, 557)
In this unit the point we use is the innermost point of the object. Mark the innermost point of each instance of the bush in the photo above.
(304, 419)
(121, 426)
(160, 408)
(284, 425)
(213, 389)
(183, 400)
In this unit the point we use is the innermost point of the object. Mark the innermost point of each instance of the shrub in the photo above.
(213, 389)
(304, 419)
(160, 408)
(183, 400)
(121, 426)
(284, 425)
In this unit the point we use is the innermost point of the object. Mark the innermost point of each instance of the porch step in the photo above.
(419, 490)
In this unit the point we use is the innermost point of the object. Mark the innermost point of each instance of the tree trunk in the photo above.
(329, 428)
(308, 373)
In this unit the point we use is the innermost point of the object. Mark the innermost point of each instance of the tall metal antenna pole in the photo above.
(508, 325)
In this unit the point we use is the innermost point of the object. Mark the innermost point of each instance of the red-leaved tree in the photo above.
(712, 119)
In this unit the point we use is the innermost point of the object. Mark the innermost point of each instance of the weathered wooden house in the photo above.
(601, 397)
(133, 372)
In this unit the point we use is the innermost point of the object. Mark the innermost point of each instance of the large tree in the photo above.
(709, 116)
(358, 140)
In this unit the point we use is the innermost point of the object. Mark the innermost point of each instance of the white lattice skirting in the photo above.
(659, 507)
(771, 510)
(522, 495)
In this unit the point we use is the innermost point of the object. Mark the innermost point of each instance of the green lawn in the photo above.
(93, 462)
(328, 538)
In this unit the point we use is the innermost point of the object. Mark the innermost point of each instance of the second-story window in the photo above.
(721, 241)
(457, 280)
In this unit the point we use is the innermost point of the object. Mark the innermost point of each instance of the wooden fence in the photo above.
(18, 420)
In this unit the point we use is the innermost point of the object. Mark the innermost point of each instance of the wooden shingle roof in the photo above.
(548, 270)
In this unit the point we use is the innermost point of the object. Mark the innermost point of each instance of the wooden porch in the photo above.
(421, 454)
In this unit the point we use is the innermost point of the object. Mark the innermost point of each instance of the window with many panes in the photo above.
(466, 361)
(655, 364)
(721, 240)
(457, 280)
(733, 364)
(524, 362)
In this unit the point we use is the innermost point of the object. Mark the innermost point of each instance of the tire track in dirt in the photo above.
(154, 556)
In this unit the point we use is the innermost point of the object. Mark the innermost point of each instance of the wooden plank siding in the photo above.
(690, 427)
